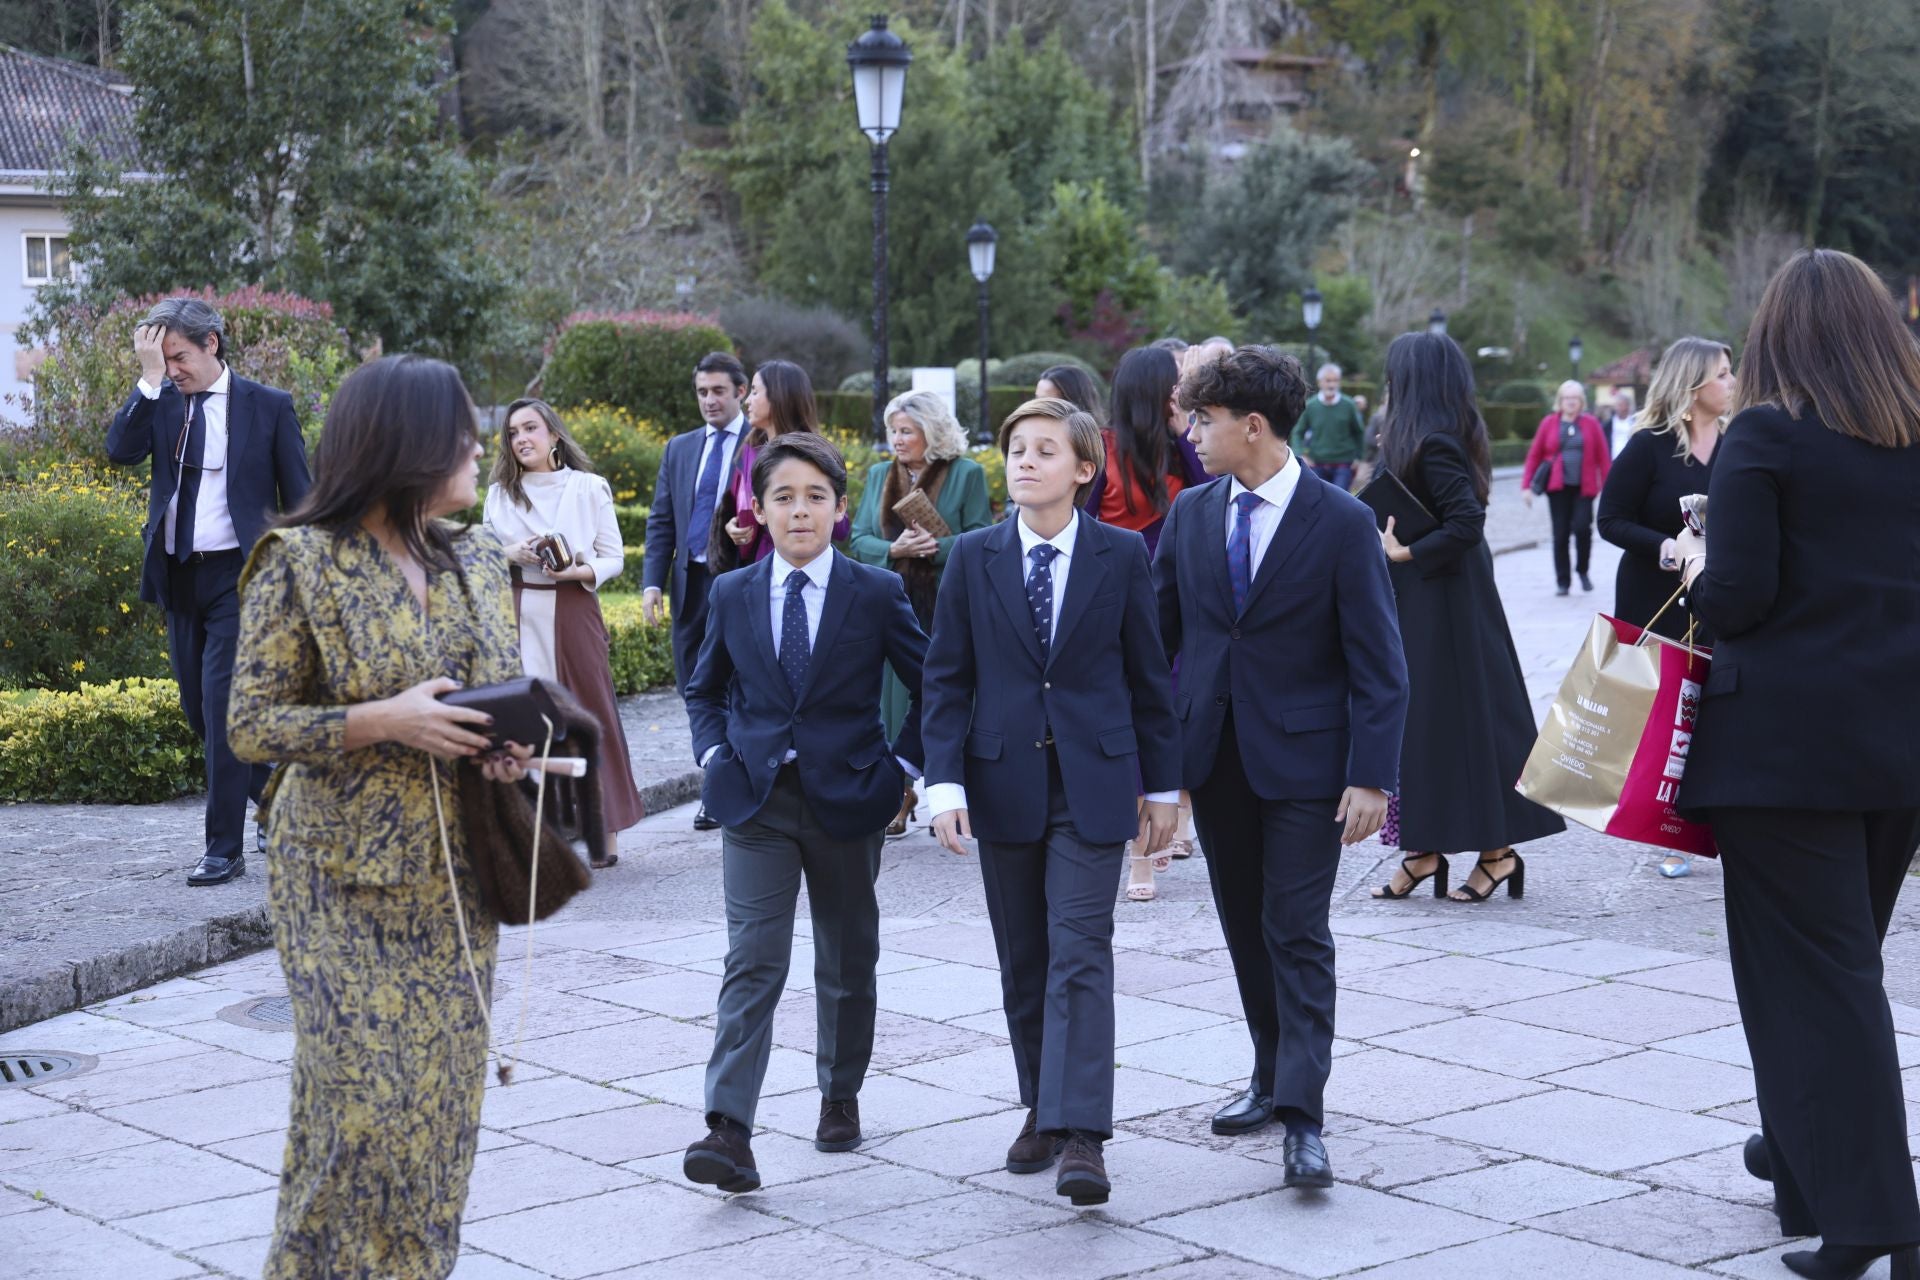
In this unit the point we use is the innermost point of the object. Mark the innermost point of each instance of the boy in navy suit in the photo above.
(785, 708)
(1293, 693)
(1047, 704)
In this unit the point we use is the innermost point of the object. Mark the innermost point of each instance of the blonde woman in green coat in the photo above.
(929, 451)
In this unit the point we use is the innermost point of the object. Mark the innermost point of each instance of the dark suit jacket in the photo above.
(266, 463)
(670, 543)
(1313, 666)
(1812, 588)
(739, 700)
(1104, 689)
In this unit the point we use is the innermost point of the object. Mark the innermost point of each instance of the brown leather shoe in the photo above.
(723, 1159)
(1032, 1152)
(839, 1126)
(909, 805)
(1083, 1171)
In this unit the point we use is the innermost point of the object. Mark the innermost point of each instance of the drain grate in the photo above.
(265, 1013)
(18, 1070)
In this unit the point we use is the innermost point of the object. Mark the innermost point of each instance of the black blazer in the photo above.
(670, 544)
(738, 699)
(1640, 509)
(266, 463)
(1104, 689)
(1313, 666)
(1812, 586)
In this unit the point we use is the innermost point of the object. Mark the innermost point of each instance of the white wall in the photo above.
(18, 216)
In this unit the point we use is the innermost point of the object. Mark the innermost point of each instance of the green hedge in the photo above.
(640, 361)
(641, 655)
(122, 743)
(852, 411)
(625, 449)
(629, 579)
(1511, 421)
(1526, 391)
(633, 523)
(1025, 369)
(1509, 453)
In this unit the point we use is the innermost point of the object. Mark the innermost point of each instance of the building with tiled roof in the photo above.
(46, 106)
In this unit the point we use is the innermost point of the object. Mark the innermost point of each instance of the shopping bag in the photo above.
(1614, 746)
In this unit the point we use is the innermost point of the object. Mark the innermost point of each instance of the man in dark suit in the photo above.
(1293, 694)
(227, 457)
(785, 708)
(695, 470)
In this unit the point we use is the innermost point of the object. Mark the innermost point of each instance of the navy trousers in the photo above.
(203, 629)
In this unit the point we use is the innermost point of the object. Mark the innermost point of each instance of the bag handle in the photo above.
(1692, 623)
(460, 914)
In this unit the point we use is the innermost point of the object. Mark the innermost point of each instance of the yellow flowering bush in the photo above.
(122, 743)
(624, 448)
(70, 557)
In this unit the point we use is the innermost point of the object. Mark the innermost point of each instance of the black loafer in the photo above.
(217, 870)
(1244, 1114)
(1306, 1156)
(701, 822)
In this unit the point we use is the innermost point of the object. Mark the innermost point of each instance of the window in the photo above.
(47, 258)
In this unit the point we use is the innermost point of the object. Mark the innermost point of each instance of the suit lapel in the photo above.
(239, 421)
(1086, 576)
(1301, 514)
(688, 465)
(833, 612)
(760, 617)
(1213, 538)
(1006, 571)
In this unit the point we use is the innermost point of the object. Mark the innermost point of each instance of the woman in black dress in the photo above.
(1667, 458)
(1469, 722)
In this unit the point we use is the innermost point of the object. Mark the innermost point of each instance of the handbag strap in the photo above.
(460, 914)
(1692, 623)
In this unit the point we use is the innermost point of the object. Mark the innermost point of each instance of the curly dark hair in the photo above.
(1250, 379)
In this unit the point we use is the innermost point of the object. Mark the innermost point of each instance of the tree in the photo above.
(300, 146)
(1092, 249)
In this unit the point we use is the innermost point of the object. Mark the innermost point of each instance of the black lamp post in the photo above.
(879, 61)
(1437, 322)
(980, 246)
(1310, 309)
(1574, 351)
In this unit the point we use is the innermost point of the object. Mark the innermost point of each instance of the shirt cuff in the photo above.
(945, 797)
(909, 768)
(1163, 797)
(150, 392)
(707, 755)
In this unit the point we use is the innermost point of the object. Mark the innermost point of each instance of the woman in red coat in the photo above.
(1568, 461)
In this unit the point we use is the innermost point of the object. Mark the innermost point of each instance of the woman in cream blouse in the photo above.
(543, 483)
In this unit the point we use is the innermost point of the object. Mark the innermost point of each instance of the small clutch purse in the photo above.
(554, 552)
(521, 710)
(917, 508)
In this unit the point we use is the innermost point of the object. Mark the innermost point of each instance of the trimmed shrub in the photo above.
(629, 579)
(633, 522)
(1526, 391)
(623, 448)
(640, 361)
(1025, 370)
(818, 339)
(1509, 453)
(845, 410)
(281, 339)
(123, 743)
(70, 557)
(1511, 421)
(641, 655)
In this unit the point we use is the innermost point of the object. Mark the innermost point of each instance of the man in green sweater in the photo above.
(1331, 433)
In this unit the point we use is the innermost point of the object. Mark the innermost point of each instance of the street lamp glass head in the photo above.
(1310, 308)
(1575, 350)
(980, 246)
(1437, 322)
(879, 61)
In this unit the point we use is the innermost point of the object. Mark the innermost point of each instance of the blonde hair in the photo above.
(927, 411)
(1570, 388)
(1685, 366)
(1083, 433)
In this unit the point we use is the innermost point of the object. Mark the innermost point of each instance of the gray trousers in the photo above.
(762, 863)
(1051, 903)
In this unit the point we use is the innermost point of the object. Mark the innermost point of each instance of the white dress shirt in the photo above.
(727, 440)
(945, 797)
(1278, 490)
(212, 520)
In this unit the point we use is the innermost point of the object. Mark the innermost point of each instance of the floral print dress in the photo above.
(390, 1043)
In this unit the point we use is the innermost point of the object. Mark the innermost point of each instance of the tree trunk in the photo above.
(1150, 91)
(1822, 144)
(1604, 21)
(1526, 134)
(1466, 261)
(593, 100)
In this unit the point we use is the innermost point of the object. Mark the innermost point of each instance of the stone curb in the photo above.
(74, 984)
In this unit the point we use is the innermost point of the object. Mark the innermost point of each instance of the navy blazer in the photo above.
(1313, 665)
(1104, 689)
(266, 463)
(738, 699)
(670, 544)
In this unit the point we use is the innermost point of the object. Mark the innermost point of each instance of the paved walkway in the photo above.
(1552, 1086)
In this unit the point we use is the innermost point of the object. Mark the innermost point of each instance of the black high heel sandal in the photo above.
(1850, 1261)
(1515, 880)
(1438, 875)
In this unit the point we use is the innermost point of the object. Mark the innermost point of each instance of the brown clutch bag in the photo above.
(917, 508)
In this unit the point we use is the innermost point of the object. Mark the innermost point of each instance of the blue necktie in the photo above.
(1240, 549)
(193, 449)
(796, 650)
(706, 496)
(1040, 595)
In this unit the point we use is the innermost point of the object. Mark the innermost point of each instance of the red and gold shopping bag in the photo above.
(1614, 745)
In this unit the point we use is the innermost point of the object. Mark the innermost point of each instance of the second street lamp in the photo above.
(1310, 310)
(1437, 322)
(980, 245)
(1574, 351)
(879, 61)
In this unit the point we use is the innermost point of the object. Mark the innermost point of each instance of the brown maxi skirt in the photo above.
(579, 646)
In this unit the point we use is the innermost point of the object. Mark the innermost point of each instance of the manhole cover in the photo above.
(18, 1070)
(266, 1013)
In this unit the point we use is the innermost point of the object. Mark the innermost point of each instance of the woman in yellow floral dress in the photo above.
(355, 614)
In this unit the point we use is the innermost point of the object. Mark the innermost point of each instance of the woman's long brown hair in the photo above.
(1828, 337)
(789, 397)
(507, 471)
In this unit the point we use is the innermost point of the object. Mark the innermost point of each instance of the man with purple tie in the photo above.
(1274, 593)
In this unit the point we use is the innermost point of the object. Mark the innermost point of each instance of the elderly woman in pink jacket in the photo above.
(1568, 461)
